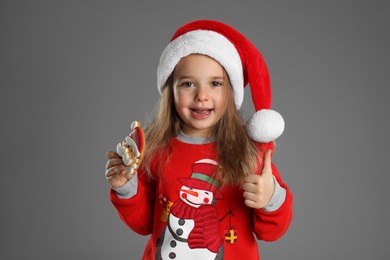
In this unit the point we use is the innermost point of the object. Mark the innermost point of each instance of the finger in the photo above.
(249, 187)
(112, 154)
(252, 178)
(250, 196)
(114, 162)
(255, 200)
(127, 175)
(251, 204)
(267, 168)
(114, 170)
(252, 201)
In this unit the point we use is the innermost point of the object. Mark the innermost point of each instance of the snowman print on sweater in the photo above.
(192, 228)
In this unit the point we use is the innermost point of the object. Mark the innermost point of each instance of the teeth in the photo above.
(202, 111)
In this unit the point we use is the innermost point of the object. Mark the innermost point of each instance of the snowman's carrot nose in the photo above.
(191, 192)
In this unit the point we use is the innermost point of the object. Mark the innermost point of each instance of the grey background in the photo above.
(74, 74)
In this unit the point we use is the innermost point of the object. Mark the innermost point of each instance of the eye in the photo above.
(188, 84)
(216, 83)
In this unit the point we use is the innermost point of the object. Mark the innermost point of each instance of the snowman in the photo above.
(192, 230)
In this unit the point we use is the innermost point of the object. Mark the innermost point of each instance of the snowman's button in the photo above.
(172, 255)
(181, 222)
(179, 231)
(173, 243)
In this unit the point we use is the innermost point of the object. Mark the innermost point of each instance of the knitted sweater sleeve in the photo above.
(137, 211)
(270, 226)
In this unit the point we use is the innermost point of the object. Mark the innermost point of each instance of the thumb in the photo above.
(267, 159)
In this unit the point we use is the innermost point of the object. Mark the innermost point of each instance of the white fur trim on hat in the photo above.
(265, 126)
(207, 43)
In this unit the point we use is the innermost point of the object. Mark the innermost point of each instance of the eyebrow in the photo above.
(184, 77)
(191, 77)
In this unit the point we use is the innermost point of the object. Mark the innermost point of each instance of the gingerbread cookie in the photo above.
(132, 148)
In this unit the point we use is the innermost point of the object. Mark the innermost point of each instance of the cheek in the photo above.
(181, 95)
(206, 200)
(184, 195)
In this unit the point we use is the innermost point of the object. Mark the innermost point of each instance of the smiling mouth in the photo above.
(193, 202)
(201, 113)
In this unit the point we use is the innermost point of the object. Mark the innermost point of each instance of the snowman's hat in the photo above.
(202, 177)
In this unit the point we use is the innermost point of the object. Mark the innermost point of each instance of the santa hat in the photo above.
(202, 177)
(243, 63)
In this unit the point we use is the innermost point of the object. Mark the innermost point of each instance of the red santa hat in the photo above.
(202, 177)
(243, 63)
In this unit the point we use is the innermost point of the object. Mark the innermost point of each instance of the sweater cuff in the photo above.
(277, 198)
(129, 189)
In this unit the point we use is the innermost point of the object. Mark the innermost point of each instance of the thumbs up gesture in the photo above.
(258, 189)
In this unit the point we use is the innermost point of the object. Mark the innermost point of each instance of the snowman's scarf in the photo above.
(182, 210)
(205, 233)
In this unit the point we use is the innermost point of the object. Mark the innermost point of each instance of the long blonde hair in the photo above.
(236, 154)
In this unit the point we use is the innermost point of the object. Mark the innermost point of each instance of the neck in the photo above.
(194, 140)
(205, 133)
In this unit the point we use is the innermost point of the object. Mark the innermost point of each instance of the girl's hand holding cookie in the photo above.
(123, 164)
(116, 173)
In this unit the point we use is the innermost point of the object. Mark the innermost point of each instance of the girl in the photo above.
(206, 186)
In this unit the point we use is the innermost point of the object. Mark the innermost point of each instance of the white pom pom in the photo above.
(265, 126)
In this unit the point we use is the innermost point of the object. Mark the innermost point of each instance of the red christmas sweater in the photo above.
(238, 226)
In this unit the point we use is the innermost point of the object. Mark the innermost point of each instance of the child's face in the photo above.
(200, 93)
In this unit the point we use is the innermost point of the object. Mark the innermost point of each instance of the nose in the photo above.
(201, 94)
(193, 193)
